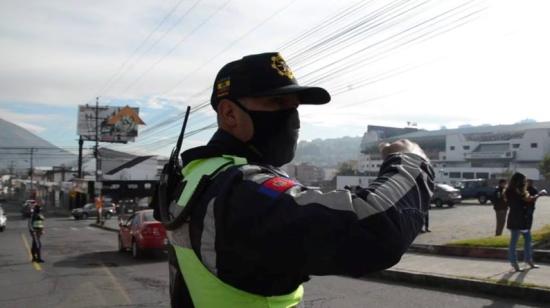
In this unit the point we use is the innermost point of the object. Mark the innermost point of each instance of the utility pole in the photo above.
(96, 138)
(12, 175)
(80, 144)
(97, 185)
(11, 168)
(31, 171)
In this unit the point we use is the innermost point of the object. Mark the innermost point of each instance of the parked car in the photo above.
(445, 194)
(26, 208)
(89, 210)
(141, 232)
(3, 220)
(476, 189)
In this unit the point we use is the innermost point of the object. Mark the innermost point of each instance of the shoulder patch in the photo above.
(279, 184)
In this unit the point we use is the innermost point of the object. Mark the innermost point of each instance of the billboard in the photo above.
(116, 124)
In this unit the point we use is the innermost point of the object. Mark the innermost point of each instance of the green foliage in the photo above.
(544, 167)
(540, 235)
(346, 168)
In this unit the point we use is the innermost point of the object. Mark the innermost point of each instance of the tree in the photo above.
(346, 168)
(544, 166)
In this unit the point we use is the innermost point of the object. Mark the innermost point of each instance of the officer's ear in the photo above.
(227, 114)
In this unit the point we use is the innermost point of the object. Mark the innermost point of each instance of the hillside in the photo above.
(15, 145)
(328, 152)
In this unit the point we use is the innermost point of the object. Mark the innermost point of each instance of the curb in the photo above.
(103, 227)
(476, 252)
(530, 293)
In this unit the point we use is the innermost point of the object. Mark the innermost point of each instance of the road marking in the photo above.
(117, 285)
(34, 264)
(74, 229)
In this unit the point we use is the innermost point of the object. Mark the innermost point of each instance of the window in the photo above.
(444, 157)
(534, 145)
(452, 148)
(515, 145)
(148, 216)
(482, 175)
(468, 175)
(454, 175)
(136, 220)
(466, 147)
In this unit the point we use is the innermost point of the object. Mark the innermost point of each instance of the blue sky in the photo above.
(477, 70)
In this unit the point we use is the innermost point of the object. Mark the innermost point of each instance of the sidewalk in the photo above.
(472, 275)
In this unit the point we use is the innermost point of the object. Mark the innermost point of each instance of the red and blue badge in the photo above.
(276, 185)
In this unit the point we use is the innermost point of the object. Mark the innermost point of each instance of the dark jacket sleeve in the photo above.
(305, 231)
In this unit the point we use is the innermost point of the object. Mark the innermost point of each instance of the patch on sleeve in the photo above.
(276, 185)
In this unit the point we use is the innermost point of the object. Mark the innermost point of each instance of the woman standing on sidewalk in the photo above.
(519, 221)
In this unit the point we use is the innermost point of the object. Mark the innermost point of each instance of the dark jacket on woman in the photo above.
(520, 216)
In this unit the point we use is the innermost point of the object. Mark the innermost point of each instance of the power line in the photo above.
(183, 39)
(208, 89)
(233, 43)
(420, 31)
(118, 73)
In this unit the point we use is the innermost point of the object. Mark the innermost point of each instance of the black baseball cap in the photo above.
(261, 75)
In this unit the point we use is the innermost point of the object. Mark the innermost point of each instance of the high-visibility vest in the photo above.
(38, 223)
(205, 288)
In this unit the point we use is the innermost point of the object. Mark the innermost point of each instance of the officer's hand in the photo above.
(401, 146)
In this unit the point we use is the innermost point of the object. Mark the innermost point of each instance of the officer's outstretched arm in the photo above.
(291, 228)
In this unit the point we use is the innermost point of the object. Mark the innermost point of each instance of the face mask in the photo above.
(275, 134)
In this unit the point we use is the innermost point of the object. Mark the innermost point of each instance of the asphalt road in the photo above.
(84, 269)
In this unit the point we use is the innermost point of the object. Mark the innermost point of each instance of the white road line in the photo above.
(74, 229)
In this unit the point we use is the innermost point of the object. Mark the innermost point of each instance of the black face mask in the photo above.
(275, 134)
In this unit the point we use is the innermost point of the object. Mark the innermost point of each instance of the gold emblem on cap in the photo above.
(222, 87)
(279, 64)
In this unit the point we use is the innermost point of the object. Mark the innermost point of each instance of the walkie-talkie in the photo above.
(169, 179)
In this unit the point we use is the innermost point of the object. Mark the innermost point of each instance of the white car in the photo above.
(3, 220)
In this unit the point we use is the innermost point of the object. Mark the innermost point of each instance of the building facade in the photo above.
(489, 152)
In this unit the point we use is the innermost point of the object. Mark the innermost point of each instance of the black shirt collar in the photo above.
(221, 143)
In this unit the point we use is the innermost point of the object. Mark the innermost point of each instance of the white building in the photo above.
(465, 153)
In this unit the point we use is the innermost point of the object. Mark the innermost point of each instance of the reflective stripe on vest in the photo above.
(38, 223)
(193, 172)
(208, 291)
(205, 288)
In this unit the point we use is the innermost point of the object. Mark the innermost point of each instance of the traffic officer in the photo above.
(36, 228)
(99, 208)
(244, 234)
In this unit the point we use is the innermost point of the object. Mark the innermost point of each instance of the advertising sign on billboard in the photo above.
(116, 124)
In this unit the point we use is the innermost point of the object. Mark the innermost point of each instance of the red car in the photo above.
(141, 232)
